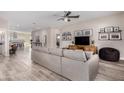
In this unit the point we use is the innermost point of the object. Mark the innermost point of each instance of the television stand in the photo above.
(83, 47)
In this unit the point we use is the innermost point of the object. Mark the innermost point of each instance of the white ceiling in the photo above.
(23, 20)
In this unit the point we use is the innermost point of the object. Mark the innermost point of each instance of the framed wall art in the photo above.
(66, 36)
(115, 36)
(110, 33)
(78, 33)
(88, 32)
(116, 29)
(84, 32)
(109, 29)
(102, 30)
(103, 36)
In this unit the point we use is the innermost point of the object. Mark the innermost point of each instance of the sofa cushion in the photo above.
(75, 54)
(55, 51)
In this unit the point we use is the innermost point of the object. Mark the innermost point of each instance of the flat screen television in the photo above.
(82, 40)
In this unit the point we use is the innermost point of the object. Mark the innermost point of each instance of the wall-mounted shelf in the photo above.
(112, 32)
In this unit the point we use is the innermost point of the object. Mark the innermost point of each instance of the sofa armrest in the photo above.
(93, 65)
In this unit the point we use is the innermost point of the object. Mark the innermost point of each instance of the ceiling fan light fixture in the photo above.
(66, 19)
(67, 16)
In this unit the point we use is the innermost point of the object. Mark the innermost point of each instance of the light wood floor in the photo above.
(19, 67)
(110, 71)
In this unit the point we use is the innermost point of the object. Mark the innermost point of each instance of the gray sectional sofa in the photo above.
(73, 64)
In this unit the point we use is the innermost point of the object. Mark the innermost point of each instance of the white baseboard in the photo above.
(122, 58)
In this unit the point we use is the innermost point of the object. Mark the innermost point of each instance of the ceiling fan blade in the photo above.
(74, 16)
(67, 13)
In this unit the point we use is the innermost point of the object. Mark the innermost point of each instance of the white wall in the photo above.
(4, 30)
(96, 24)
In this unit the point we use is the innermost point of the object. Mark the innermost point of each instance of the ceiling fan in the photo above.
(67, 16)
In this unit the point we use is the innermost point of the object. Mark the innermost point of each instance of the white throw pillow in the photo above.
(75, 54)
